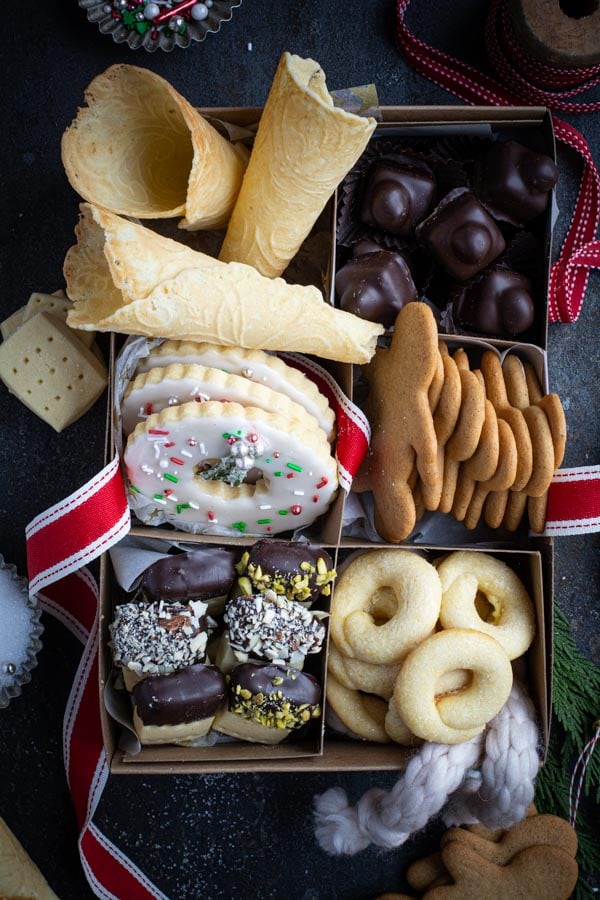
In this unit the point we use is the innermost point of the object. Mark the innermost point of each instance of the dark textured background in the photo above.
(219, 836)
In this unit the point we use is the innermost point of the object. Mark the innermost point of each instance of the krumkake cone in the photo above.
(20, 878)
(140, 149)
(123, 277)
(303, 149)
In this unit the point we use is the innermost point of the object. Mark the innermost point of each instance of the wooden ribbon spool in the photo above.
(562, 33)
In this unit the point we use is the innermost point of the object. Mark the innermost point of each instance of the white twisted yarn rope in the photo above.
(498, 796)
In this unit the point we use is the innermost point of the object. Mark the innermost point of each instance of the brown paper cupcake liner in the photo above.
(350, 229)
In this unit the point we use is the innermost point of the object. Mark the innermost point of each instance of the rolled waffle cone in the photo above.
(303, 149)
(124, 277)
(140, 149)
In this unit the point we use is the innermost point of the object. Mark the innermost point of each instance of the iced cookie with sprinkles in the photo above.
(158, 638)
(255, 366)
(298, 570)
(151, 392)
(207, 466)
(268, 702)
(270, 628)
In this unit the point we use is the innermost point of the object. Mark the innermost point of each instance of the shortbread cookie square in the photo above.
(48, 368)
(58, 305)
(12, 322)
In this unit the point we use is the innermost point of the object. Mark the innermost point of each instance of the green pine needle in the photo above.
(576, 705)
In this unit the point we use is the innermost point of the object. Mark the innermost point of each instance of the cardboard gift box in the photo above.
(530, 557)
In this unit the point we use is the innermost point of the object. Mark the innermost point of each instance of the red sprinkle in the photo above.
(168, 492)
(290, 475)
(170, 443)
(322, 482)
(148, 409)
(211, 516)
(253, 437)
(231, 440)
(296, 509)
(315, 499)
(156, 431)
(177, 461)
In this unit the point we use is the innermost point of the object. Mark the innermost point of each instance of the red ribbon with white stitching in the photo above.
(531, 82)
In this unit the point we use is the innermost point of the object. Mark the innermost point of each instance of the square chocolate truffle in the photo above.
(397, 195)
(460, 235)
(498, 304)
(514, 182)
(375, 286)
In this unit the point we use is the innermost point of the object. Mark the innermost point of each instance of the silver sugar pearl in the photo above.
(9, 668)
(247, 373)
(120, 4)
(107, 8)
(175, 23)
(151, 10)
(200, 11)
(208, 3)
(173, 401)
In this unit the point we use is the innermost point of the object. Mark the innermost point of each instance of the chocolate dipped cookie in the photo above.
(205, 574)
(158, 638)
(297, 570)
(267, 702)
(176, 708)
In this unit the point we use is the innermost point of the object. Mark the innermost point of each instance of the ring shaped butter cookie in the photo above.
(150, 392)
(459, 716)
(362, 676)
(473, 581)
(255, 366)
(362, 714)
(397, 580)
(222, 464)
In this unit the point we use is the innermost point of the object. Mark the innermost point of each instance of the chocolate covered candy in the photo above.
(179, 707)
(295, 569)
(375, 285)
(205, 574)
(268, 702)
(498, 304)
(460, 235)
(514, 182)
(397, 194)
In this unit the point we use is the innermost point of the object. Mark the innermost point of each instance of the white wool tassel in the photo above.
(508, 770)
(497, 796)
(388, 820)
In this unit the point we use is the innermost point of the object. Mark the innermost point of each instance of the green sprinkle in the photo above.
(134, 488)
(278, 474)
(182, 506)
(267, 460)
(239, 433)
(282, 512)
(226, 435)
(239, 526)
(294, 466)
(264, 521)
(158, 497)
(170, 477)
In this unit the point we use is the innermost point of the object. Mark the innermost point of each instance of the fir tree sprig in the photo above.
(576, 706)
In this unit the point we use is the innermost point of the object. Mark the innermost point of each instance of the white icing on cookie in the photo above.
(253, 365)
(152, 391)
(263, 474)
